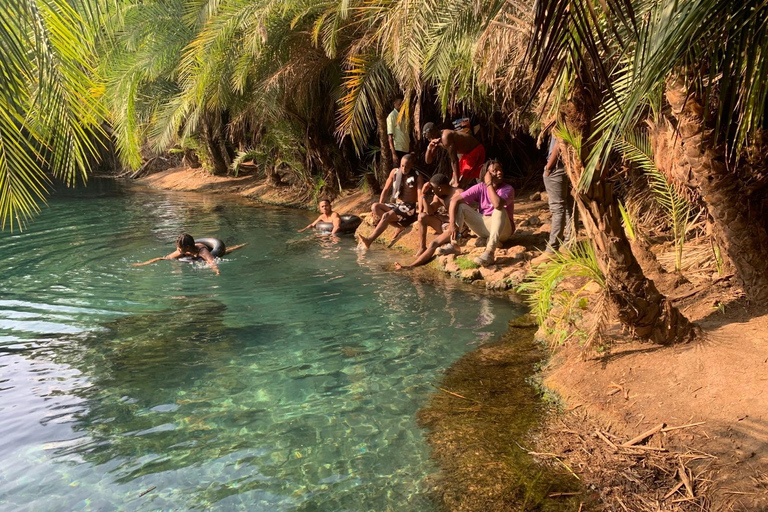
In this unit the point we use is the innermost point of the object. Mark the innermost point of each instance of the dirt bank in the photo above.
(709, 395)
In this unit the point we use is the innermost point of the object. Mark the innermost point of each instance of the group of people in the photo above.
(473, 198)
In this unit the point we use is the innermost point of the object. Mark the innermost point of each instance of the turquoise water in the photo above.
(288, 383)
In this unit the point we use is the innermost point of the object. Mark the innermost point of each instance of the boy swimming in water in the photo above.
(186, 247)
(326, 215)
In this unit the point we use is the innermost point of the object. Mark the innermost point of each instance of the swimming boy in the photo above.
(186, 246)
(326, 215)
(405, 185)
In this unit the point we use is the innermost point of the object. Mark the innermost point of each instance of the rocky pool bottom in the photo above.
(481, 423)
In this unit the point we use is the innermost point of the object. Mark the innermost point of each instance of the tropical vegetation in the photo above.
(302, 88)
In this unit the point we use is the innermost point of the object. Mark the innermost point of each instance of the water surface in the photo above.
(288, 383)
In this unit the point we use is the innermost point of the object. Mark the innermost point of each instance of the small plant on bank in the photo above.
(465, 263)
(558, 309)
(636, 148)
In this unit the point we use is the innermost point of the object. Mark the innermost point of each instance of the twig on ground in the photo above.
(602, 436)
(683, 472)
(668, 429)
(644, 435)
(673, 491)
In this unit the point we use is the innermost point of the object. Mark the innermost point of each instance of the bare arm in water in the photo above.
(203, 252)
(209, 259)
(174, 255)
(336, 219)
(318, 219)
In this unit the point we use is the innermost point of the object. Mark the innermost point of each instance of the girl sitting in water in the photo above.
(326, 215)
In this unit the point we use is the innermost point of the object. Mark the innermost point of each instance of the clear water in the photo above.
(288, 383)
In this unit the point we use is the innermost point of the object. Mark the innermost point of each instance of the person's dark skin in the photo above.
(455, 143)
(427, 218)
(382, 212)
(196, 251)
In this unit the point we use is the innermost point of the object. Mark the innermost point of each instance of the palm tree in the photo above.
(708, 57)
(50, 114)
(579, 50)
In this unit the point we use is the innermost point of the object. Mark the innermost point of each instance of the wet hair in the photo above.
(324, 200)
(406, 157)
(439, 180)
(429, 129)
(185, 241)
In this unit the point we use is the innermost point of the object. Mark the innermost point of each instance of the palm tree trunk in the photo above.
(216, 144)
(385, 156)
(641, 307)
(741, 236)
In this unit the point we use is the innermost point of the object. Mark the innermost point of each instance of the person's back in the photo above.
(465, 169)
(463, 142)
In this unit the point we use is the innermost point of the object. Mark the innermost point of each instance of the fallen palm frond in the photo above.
(242, 157)
(557, 307)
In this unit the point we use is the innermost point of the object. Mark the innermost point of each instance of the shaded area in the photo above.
(479, 424)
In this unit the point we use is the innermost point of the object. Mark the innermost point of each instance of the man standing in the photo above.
(397, 133)
(465, 169)
(494, 218)
(405, 185)
(560, 201)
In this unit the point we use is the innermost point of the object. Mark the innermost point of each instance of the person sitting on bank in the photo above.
(465, 169)
(186, 246)
(326, 215)
(493, 221)
(443, 192)
(405, 185)
(397, 133)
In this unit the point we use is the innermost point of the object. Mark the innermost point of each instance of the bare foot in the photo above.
(400, 267)
(363, 243)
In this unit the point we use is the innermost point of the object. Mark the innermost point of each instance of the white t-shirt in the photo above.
(398, 131)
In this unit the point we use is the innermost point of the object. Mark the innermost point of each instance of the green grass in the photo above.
(465, 263)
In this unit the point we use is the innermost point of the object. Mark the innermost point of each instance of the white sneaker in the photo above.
(446, 249)
(485, 259)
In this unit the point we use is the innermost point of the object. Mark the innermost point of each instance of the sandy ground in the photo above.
(718, 383)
